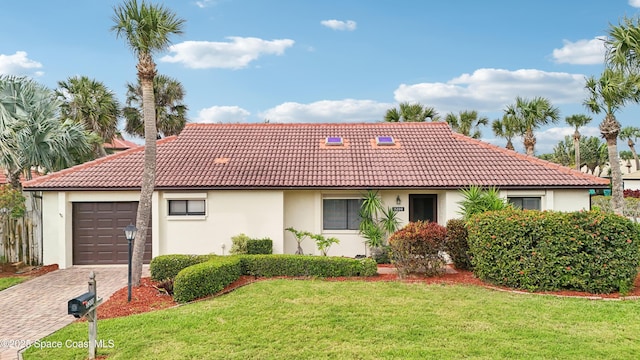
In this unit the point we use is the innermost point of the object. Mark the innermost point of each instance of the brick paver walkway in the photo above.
(38, 307)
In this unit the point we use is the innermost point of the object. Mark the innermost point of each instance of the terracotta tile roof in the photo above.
(426, 155)
(4, 179)
(118, 143)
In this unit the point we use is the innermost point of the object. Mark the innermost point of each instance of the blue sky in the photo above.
(335, 60)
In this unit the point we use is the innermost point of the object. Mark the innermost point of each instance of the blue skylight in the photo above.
(385, 140)
(333, 140)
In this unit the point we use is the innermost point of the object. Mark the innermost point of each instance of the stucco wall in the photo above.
(257, 214)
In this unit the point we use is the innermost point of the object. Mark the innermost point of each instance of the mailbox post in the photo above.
(87, 305)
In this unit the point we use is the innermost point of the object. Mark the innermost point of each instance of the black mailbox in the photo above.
(80, 305)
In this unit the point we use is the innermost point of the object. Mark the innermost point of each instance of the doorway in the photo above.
(423, 207)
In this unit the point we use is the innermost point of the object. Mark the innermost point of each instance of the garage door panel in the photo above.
(98, 232)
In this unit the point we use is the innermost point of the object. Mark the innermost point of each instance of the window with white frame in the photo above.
(525, 203)
(195, 207)
(341, 214)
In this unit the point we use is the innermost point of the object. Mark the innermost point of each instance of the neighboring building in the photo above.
(118, 144)
(631, 181)
(215, 181)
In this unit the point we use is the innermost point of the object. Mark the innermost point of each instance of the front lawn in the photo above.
(294, 319)
(7, 282)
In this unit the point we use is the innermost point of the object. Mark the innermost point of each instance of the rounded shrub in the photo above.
(457, 246)
(206, 278)
(165, 267)
(419, 247)
(588, 251)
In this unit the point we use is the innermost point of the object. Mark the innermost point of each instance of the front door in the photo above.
(423, 207)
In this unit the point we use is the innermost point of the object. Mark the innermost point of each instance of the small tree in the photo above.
(300, 236)
(324, 243)
(377, 222)
(12, 202)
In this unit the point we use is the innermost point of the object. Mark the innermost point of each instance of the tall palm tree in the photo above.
(146, 29)
(171, 113)
(631, 134)
(506, 128)
(577, 121)
(531, 114)
(90, 103)
(31, 132)
(409, 112)
(608, 94)
(467, 123)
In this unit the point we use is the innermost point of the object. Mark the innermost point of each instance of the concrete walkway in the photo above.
(38, 307)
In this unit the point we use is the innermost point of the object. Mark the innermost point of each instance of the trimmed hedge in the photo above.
(165, 267)
(457, 245)
(210, 277)
(589, 251)
(296, 265)
(206, 278)
(259, 246)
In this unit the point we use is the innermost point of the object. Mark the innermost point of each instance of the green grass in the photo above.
(8, 282)
(293, 319)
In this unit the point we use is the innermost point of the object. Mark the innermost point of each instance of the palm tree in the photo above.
(411, 113)
(631, 134)
(90, 103)
(171, 113)
(467, 123)
(594, 154)
(146, 29)
(608, 94)
(577, 121)
(31, 132)
(506, 128)
(530, 115)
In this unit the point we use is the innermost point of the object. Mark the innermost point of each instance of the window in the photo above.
(341, 214)
(186, 207)
(526, 203)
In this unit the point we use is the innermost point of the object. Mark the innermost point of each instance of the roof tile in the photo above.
(428, 155)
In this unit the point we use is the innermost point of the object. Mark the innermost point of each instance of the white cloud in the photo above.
(488, 90)
(205, 3)
(222, 114)
(236, 54)
(19, 64)
(347, 110)
(581, 52)
(634, 3)
(348, 25)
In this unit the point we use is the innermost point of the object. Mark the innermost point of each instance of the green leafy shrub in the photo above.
(168, 266)
(382, 254)
(456, 245)
(324, 243)
(588, 251)
(419, 247)
(476, 201)
(239, 244)
(206, 278)
(319, 266)
(259, 246)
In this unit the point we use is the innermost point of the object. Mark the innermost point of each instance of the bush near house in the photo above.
(319, 266)
(206, 278)
(457, 245)
(210, 277)
(589, 251)
(165, 267)
(419, 247)
(259, 246)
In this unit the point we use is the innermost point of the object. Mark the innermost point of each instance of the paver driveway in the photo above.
(38, 307)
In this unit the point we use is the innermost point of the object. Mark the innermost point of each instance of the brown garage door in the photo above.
(98, 235)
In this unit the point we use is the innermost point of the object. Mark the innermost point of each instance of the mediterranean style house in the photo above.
(215, 181)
